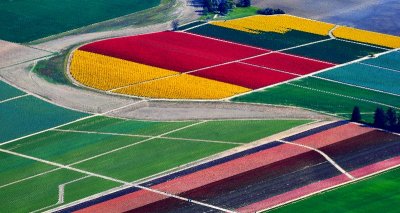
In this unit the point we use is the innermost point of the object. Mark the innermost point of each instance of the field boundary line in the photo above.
(30, 60)
(331, 188)
(353, 85)
(384, 68)
(61, 188)
(308, 59)
(225, 41)
(133, 144)
(2, 79)
(340, 95)
(114, 180)
(74, 121)
(324, 155)
(197, 162)
(14, 98)
(321, 71)
(192, 27)
(217, 65)
(361, 43)
(271, 69)
(28, 178)
(330, 33)
(147, 136)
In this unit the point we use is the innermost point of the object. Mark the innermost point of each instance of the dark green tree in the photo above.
(244, 3)
(356, 115)
(175, 24)
(223, 8)
(380, 118)
(391, 118)
(279, 11)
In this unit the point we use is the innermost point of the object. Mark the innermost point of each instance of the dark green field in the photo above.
(335, 51)
(28, 20)
(28, 115)
(8, 91)
(377, 194)
(268, 40)
(322, 96)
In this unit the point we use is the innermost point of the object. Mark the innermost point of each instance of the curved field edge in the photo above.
(156, 15)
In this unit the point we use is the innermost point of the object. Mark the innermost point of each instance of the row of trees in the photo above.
(223, 6)
(385, 120)
(270, 11)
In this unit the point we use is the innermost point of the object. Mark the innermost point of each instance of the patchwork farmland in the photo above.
(110, 162)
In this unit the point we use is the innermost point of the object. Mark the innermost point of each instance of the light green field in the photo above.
(14, 168)
(68, 147)
(42, 191)
(150, 158)
(105, 124)
(377, 194)
(323, 96)
(237, 131)
(125, 157)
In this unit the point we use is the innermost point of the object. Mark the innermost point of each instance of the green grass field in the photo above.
(335, 51)
(27, 20)
(351, 91)
(106, 124)
(42, 191)
(234, 131)
(68, 147)
(14, 168)
(150, 158)
(391, 61)
(376, 194)
(93, 146)
(28, 115)
(268, 40)
(318, 96)
(366, 76)
(8, 91)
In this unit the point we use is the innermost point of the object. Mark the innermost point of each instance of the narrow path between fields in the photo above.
(324, 155)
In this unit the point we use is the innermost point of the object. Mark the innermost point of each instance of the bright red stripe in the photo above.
(244, 75)
(171, 50)
(290, 63)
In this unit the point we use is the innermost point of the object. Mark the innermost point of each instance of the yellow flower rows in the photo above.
(184, 86)
(105, 73)
(367, 37)
(277, 24)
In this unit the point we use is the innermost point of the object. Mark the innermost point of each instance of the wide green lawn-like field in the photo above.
(321, 95)
(128, 150)
(237, 131)
(28, 20)
(376, 194)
